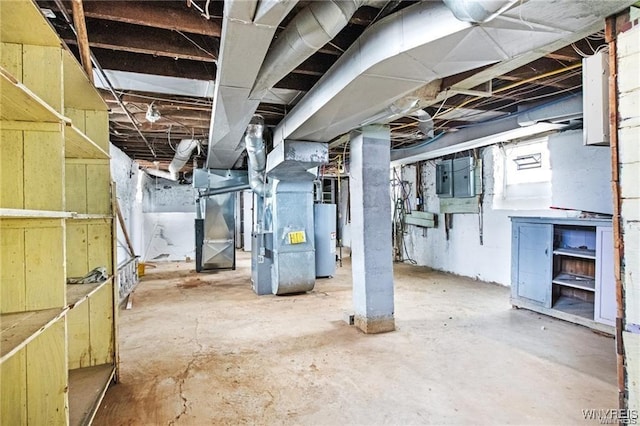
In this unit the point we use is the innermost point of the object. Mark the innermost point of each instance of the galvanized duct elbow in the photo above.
(182, 155)
(312, 28)
(478, 11)
(257, 156)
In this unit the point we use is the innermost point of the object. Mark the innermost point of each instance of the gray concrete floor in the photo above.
(203, 349)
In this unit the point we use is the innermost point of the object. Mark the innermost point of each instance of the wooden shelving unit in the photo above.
(58, 341)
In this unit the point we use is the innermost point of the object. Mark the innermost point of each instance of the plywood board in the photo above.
(78, 145)
(43, 171)
(47, 85)
(77, 256)
(45, 267)
(77, 116)
(21, 104)
(87, 386)
(13, 388)
(78, 336)
(98, 128)
(101, 325)
(75, 180)
(11, 169)
(47, 377)
(79, 93)
(99, 245)
(12, 271)
(11, 59)
(18, 329)
(22, 23)
(98, 188)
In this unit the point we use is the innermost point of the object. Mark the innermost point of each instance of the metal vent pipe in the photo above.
(478, 11)
(312, 28)
(183, 153)
(257, 156)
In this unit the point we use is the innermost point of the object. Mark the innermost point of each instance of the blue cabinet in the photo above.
(564, 268)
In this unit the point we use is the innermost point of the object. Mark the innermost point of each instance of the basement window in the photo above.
(528, 161)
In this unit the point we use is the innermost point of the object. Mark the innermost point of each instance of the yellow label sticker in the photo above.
(297, 237)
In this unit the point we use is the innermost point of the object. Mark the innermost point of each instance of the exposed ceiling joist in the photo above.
(151, 41)
(158, 14)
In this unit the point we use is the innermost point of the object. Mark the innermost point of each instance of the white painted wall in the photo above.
(126, 174)
(168, 214)
(629, 149)
(462, 253)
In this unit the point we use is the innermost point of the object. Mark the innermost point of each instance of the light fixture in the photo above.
(152, 114)
(48, 13)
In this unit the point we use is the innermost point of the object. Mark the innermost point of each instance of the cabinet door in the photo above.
(531, 263)
(605, 302)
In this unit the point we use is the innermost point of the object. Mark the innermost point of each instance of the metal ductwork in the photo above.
(312, 28)
(476, 11)
(425, 42)
(183, 153)
(247, 30)
(257, 156)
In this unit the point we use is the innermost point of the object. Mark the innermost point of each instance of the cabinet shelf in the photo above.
(574, 306)
(78, 145)
(18, 329)
(78, 293)
(575, 281)
(21, 104)
(87, 387)
(573, 252)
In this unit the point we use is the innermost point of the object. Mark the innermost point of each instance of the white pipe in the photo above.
(182, 155)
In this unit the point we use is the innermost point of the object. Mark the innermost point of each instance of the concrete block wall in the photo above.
(628, 55)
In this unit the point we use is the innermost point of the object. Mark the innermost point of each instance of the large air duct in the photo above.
(477, 11)
(312, 28)
(257, 156)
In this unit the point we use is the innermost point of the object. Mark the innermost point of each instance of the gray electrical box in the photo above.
(463, 177)
(444, 179)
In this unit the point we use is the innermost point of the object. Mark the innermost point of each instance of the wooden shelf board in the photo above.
(575, 281)
(18, 103)
(78, 293)
(18, 329)
(83, 216)
(32, 214)
(37, 32)
(79, 93)
(574, 306)
(87, 387)
(78, 145)
(581, 253)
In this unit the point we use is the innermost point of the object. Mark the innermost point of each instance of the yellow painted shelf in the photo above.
(21, 104)
(82, 216)
(78, 293)
(31, 28)
(18, 329)
(87, 387)
(33, 214)
(79, 93)
(78, 145)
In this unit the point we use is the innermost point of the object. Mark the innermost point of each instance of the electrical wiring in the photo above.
(195, 44)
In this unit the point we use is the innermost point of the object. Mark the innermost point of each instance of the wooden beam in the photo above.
(151, 41)
(157, 14)
(295, 81)
(82, 38)
(157, 65)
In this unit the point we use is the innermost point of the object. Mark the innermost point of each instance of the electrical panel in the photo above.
(463, 181)
(455, 178)
(595, 99)
(444, 179)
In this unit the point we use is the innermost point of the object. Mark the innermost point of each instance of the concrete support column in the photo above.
(371, 229)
